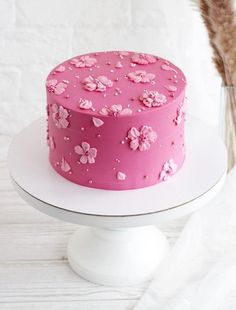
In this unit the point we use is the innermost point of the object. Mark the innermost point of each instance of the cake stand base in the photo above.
(117, 256)
(119, 248)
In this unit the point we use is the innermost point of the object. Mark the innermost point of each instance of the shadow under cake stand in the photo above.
(118, 243)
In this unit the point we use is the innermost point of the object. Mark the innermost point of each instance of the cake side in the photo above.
(133, 142)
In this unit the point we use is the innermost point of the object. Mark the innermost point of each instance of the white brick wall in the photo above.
(37, 34)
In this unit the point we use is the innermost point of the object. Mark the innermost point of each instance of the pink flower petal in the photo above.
(88, 79)
(60, 88)
(133, 133)
(100, 87)
(54, 108)
(140, 76)
(137, 59)
(91, 159)
(63, 113)
(51, 83)
(150, 134)
(166, 166)
(93, 152)
(163, 176)
(63, 123)
(78, 150)
(104, 80)
(116, 108)
(90, 86)
(167, 68)
(151, 59)
(134, 144)
(143, 59)
(104, 111)
(61, 68)
(51, 143)
(83, 159)
(172, 165)
(85, 146)
(126, 111)
(152, 98)
(150, 76)
(74, 61)
(144, 146)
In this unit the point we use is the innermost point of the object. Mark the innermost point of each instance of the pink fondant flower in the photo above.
(152, 98)
(54, 87)
(141, 139)
(88, 154)
(60, 115)
(98, 84)
(83, 61)
(115, 110)
(143, 59)
(180, 114)
(168, 169)
(140, 76)
(64, 165)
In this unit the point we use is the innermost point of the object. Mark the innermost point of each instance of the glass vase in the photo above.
(228, 122)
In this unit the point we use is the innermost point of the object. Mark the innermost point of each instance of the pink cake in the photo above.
(116, 119)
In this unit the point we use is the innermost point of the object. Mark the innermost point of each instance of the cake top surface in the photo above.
(115, 83)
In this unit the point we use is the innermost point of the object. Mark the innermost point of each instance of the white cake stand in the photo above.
(120, 245)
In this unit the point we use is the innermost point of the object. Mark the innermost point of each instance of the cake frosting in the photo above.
(116, 119)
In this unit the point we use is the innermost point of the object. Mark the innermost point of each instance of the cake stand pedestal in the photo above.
(117, 243)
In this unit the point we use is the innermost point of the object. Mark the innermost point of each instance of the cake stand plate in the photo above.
(119, 244)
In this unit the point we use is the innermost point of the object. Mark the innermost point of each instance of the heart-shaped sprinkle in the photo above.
(121, 176)
(118, 65)
(171, 87)
(97, 122)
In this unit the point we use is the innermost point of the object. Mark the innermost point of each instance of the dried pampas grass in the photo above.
(219, 19)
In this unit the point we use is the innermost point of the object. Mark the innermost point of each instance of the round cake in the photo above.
(116, 119)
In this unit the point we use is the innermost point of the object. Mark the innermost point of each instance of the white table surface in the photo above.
(34, 272)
